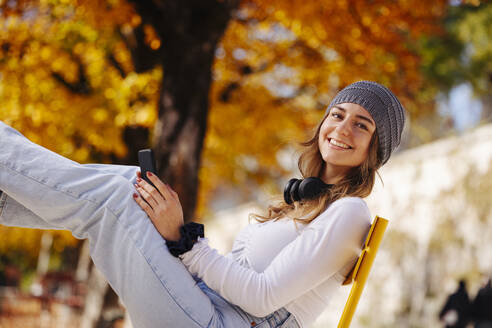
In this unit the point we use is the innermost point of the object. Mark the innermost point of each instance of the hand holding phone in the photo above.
(163, 208)
(147, 163)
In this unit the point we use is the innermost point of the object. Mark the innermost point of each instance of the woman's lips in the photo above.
(337, 144)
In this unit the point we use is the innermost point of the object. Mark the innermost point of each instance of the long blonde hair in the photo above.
(358, 182)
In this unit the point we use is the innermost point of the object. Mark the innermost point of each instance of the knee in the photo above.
(120, 192)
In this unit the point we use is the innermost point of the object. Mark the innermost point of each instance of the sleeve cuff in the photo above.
(200, 244)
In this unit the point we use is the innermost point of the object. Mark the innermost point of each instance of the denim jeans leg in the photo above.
(129, 172)
(155, 287)
(13, 213)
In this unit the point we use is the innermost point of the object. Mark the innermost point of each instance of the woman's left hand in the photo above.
(161, 205)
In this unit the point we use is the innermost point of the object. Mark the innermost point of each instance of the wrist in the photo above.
(174, 237)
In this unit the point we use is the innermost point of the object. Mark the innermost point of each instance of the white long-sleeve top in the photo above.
(273, 265)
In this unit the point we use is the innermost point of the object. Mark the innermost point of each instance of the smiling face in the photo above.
(344, 139)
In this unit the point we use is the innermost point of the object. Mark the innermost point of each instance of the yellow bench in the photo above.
(359, 273)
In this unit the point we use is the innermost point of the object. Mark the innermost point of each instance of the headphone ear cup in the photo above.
(287, 189)
(312, 187)
(309, 188)
(294, 191)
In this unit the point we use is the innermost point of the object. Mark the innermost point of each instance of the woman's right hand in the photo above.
(161, 205)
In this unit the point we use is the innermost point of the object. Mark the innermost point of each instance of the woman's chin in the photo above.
(337, 161)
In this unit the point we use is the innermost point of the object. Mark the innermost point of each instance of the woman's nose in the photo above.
(343, 128)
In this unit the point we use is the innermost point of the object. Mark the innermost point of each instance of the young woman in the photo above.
(281, 271)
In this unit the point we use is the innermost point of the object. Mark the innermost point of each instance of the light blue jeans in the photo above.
(42, 189)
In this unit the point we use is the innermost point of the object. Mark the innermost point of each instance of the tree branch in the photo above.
(112, 60)
(143, 57)
(81, 87)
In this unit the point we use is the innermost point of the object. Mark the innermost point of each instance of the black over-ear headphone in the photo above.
(299, 189)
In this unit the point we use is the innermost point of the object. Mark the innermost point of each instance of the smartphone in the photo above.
(147, 163)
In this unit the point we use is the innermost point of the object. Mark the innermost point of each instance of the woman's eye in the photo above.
(336, 115)
(362, 126)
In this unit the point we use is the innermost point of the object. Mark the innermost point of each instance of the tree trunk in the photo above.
(180, 130)
(96, 289)
(44, 255)
(84, 262)
(189, 33)
(486, 108)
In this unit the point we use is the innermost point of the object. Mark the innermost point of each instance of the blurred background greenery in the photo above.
(221, 90)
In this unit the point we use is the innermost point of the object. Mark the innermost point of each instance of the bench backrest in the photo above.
(360, 272)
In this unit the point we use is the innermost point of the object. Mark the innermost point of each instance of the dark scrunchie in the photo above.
(189, 235)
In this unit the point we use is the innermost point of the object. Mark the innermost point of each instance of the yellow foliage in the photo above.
(299, 54)
(46, 112)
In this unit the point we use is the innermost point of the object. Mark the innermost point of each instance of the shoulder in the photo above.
(345, 223)
(356, 204)
(348, 211)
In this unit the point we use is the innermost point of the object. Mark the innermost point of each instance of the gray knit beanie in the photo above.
(384, 108)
